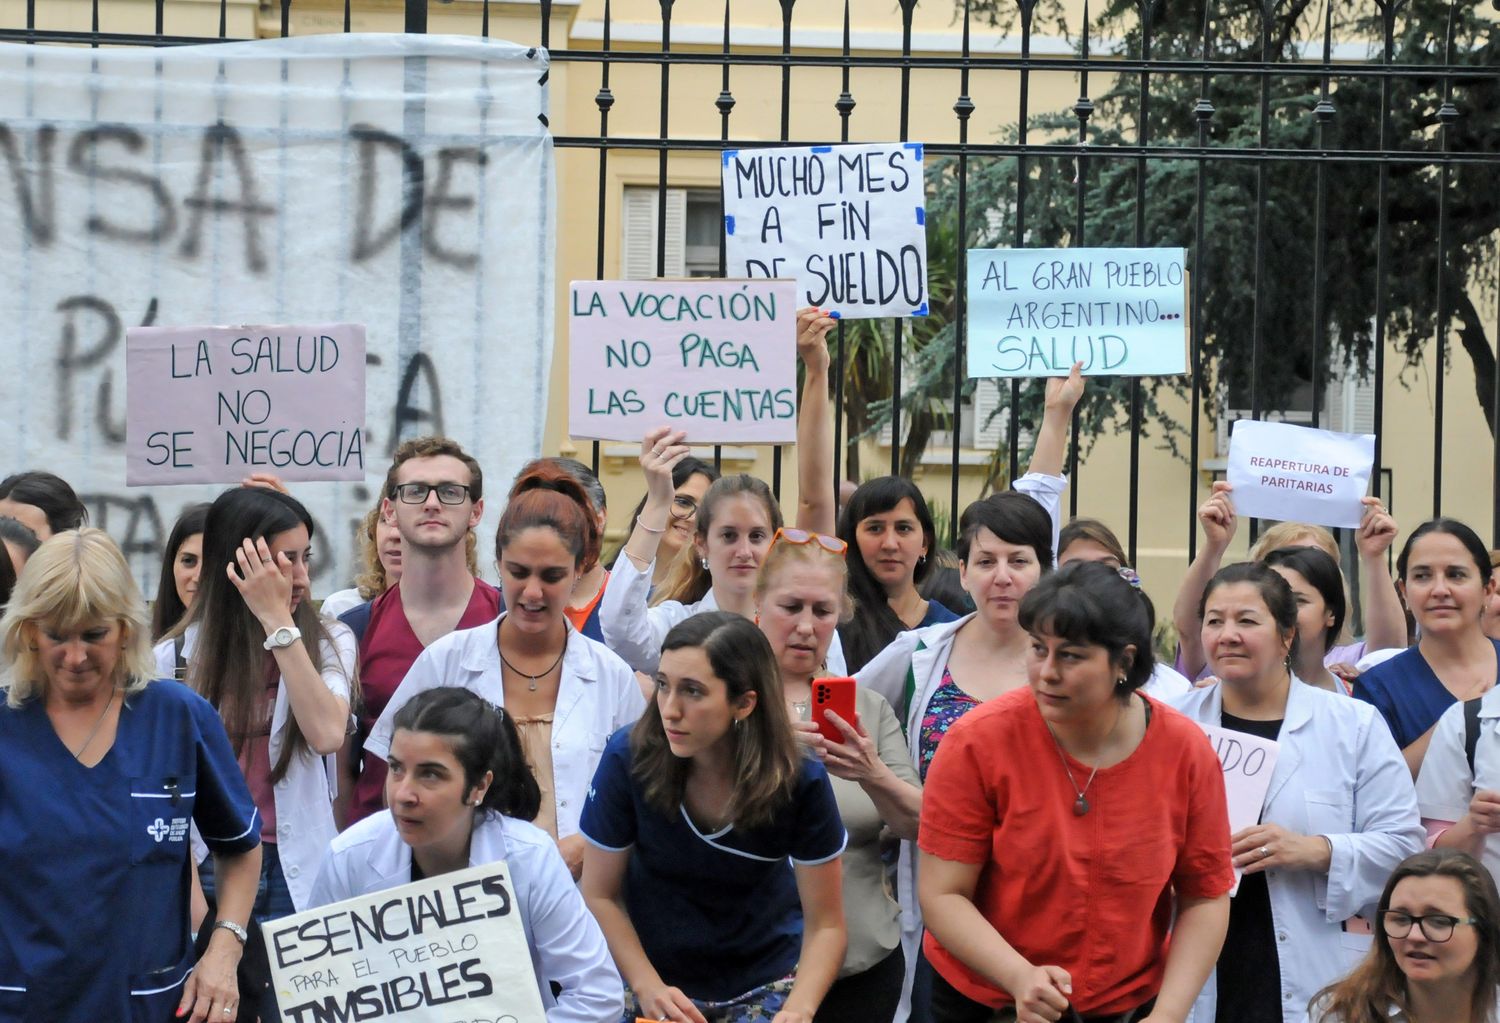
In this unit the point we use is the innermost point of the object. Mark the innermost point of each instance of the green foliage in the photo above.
(1283, 312)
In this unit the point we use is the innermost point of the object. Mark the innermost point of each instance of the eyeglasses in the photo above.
(1435, 926)
(831, 544)
(683, 507)
(416, 493)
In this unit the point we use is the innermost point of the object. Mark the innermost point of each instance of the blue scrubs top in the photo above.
(94, 884)
(717, 914)
(1408, 694)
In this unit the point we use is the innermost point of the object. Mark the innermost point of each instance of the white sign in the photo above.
(1248, 762)
(848, 222)
(449, 948)
(1035, 312)
(716, 358)
(1298, 474)
(215, 404)
(400, 182)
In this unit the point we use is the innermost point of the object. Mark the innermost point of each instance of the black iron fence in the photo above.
(1333, 169)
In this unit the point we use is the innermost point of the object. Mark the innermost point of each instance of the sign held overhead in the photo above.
(717, 358)
(1035, 312)
(848, 222)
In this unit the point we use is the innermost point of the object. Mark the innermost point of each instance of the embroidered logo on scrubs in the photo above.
(160, 830)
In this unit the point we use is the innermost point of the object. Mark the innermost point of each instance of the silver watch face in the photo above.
(283, 637)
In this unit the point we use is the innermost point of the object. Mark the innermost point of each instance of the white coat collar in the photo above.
(390, 857)
(1301, 702)
(481, 653)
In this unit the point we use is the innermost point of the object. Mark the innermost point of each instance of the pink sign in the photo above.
(717, 358)
(214, 404)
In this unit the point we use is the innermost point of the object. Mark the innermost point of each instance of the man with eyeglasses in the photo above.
(433, 493)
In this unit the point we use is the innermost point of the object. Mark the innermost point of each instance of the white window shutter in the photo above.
(638, 247)
(989, 429)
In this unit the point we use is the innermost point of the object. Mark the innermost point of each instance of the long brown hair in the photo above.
(689, 581)
(767, 757)
(229, 664)
(1377, 983)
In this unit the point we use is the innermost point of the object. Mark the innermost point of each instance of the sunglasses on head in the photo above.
(831, 544)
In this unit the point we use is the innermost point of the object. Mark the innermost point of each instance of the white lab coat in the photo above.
(1445, 785)
(596, 696)
(304, 796)
(566, 944)
(635, 631)
(1338, 774)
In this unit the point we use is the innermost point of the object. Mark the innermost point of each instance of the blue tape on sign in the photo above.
(835, 314)
(915, 147)
(921, 215)
(729, 223)
(822, 149)
(920, 310)
(730, 154)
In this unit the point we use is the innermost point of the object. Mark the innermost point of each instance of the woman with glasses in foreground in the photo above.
(1436, 954)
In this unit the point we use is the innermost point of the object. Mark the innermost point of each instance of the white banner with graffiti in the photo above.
(404, 183)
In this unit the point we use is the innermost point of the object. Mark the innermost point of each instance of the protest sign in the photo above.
(1298, 474)
(1248, 762)
(717, 358)
(404, 182)
(215, 404)
(848, 222)
(1035, 312)
(447, 948)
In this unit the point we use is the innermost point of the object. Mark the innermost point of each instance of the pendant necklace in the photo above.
(97, 724)
(532, 680)
(1081, 804)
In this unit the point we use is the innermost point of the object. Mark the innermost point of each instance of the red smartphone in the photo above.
(837, 695)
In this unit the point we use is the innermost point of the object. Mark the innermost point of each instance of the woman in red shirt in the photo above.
(1067, 827)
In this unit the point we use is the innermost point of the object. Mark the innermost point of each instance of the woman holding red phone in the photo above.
(801, 597)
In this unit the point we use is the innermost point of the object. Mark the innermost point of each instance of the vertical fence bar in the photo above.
(845, 106)
(1382, 235)
(1143, 131)
(1495, 431)
(786, 134)
(604, 99)
(725, 104)
(1324, 112)
(1447, 114)
(1013, 427)
(898, 332)
(416, 16)
(1257, 326)
(1082, 109)
(1203, 114)
(963, 108)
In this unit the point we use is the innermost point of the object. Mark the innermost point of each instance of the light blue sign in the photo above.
(1035, 312)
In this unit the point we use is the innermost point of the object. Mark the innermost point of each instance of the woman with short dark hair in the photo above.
(1067, 827)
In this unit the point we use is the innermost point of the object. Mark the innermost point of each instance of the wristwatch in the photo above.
(232, 928)
(282, 637)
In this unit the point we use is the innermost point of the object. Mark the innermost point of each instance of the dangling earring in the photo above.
(1120, 682)
(737, 722)
(922, 560)
(704, 563)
